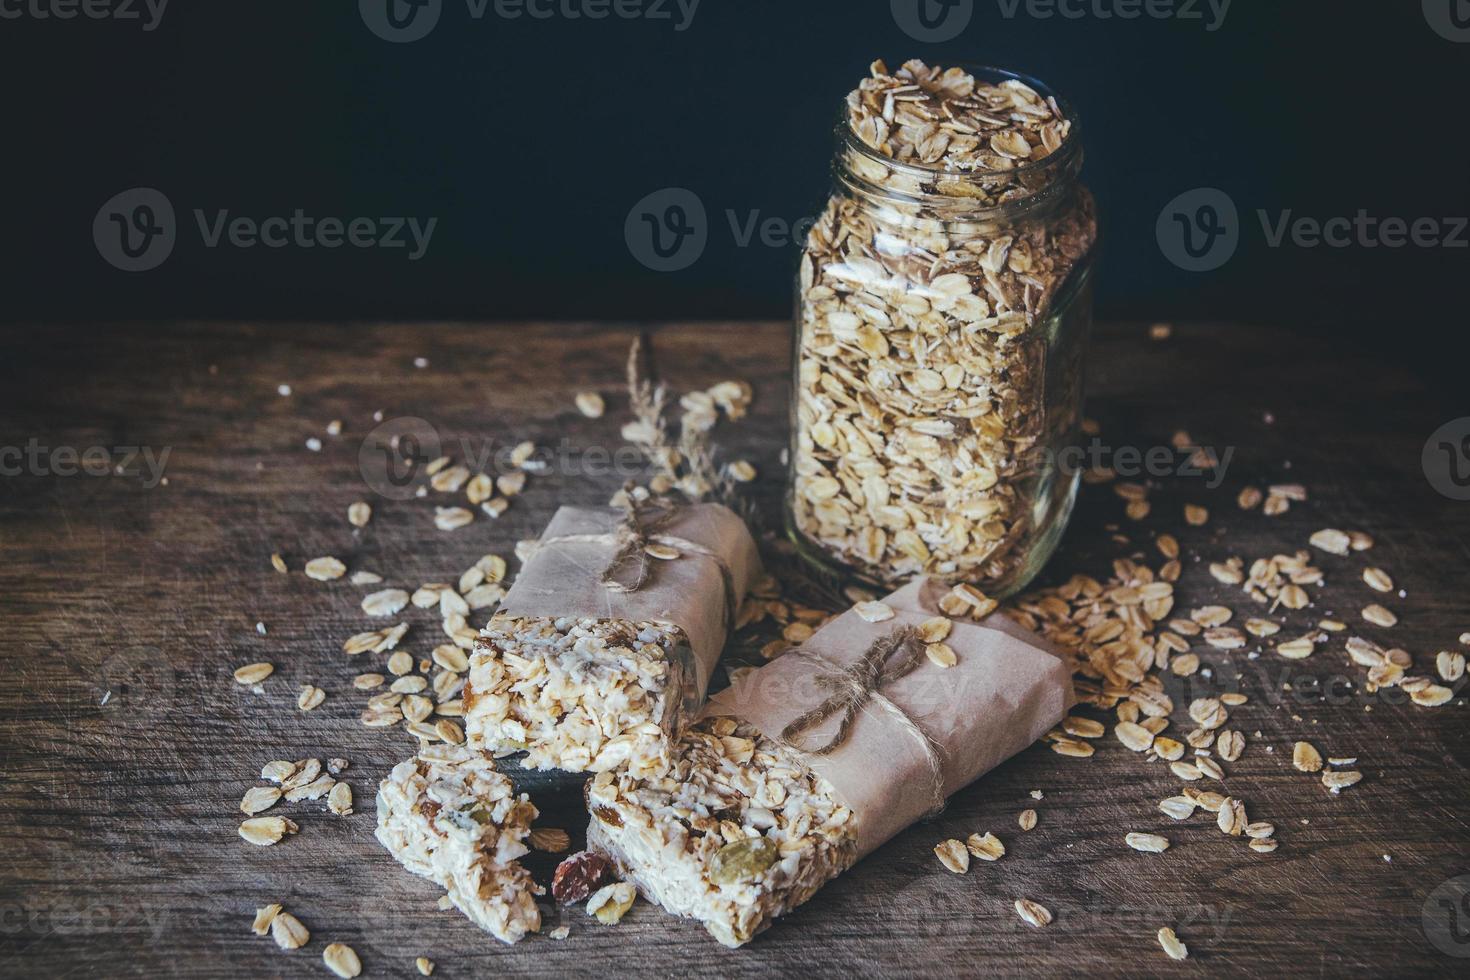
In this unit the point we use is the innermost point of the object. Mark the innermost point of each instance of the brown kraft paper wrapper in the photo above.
(1007, 690)
(564, 578)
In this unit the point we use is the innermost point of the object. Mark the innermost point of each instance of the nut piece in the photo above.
(288, 932)
(342, 960)
(953, 855)
(1175, 949)
(579, 876)
(1036, 915)
(611, 902)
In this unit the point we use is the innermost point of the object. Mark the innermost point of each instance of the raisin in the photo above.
(579, 876)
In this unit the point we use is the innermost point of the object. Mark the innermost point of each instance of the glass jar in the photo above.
(942, 317)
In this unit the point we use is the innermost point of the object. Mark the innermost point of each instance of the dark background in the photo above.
(530, 140)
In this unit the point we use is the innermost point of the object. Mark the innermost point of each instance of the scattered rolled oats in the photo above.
(874, 612)
(1379, 616)
(1172, 945)
(1027, 819)
(424, 965)
(265, 831)
(1152, 843)
(1339, 780)
(385, 603)
(1332, 541)
(1378, 579)
(1033, 913)
(591, 404)
(258, 799)
(941, 654)
(986, 847)
(339, 800)
(1305, 757)
(288, 932)
(359, 513)
(263, 916)
(452, 518)
(253, 673)
(310, 697)
(325, 569)
(953, 855)
(342, 960)
(1231, 817)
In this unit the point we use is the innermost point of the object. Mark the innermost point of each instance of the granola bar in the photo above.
(447, 815)
(737, 832)
(583, 695)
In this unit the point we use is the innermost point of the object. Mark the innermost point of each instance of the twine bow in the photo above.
(856, 684)
(631, 537)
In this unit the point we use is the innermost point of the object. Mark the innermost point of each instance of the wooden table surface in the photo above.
(125, 745)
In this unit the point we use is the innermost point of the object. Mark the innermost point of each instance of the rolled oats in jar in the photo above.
(944, 302)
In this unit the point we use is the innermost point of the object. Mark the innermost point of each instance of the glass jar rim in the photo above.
(1055, 160)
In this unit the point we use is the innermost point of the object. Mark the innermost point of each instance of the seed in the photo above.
(1196, 515)
(1175, 949)
(310, 697)
(288, 932)
(552, 840)
(1231, 818)
(1297, 649)
(452, 518)
(342, 960)
(1082, 727)
(747, 859)
(1032, 913)
(953, 855)
(258, 799)
(1178, 807)
(1331, 540)
(278, 563)
(325, 569)
(253, 673)
(941, 654)
(873, 612)
(263, 917)
(1027, 819)
(1168, 545)
(1293, 596)
(936, 629)
(1431, 695)
(1230, 744)
(1379, 616)
(265, 831)
(590, 404)
(339, 800)
(1136, 737)
(1305, 757)
(1151, 843)
(1378, 579)
(986, 848)
(1339, 781)
(1185, 771)
(385, 603)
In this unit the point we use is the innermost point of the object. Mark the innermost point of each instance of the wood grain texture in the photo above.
(121, 855)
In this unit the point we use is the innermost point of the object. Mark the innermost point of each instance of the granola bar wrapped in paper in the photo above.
(802, 767)
(447, 815)
(602, 651)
